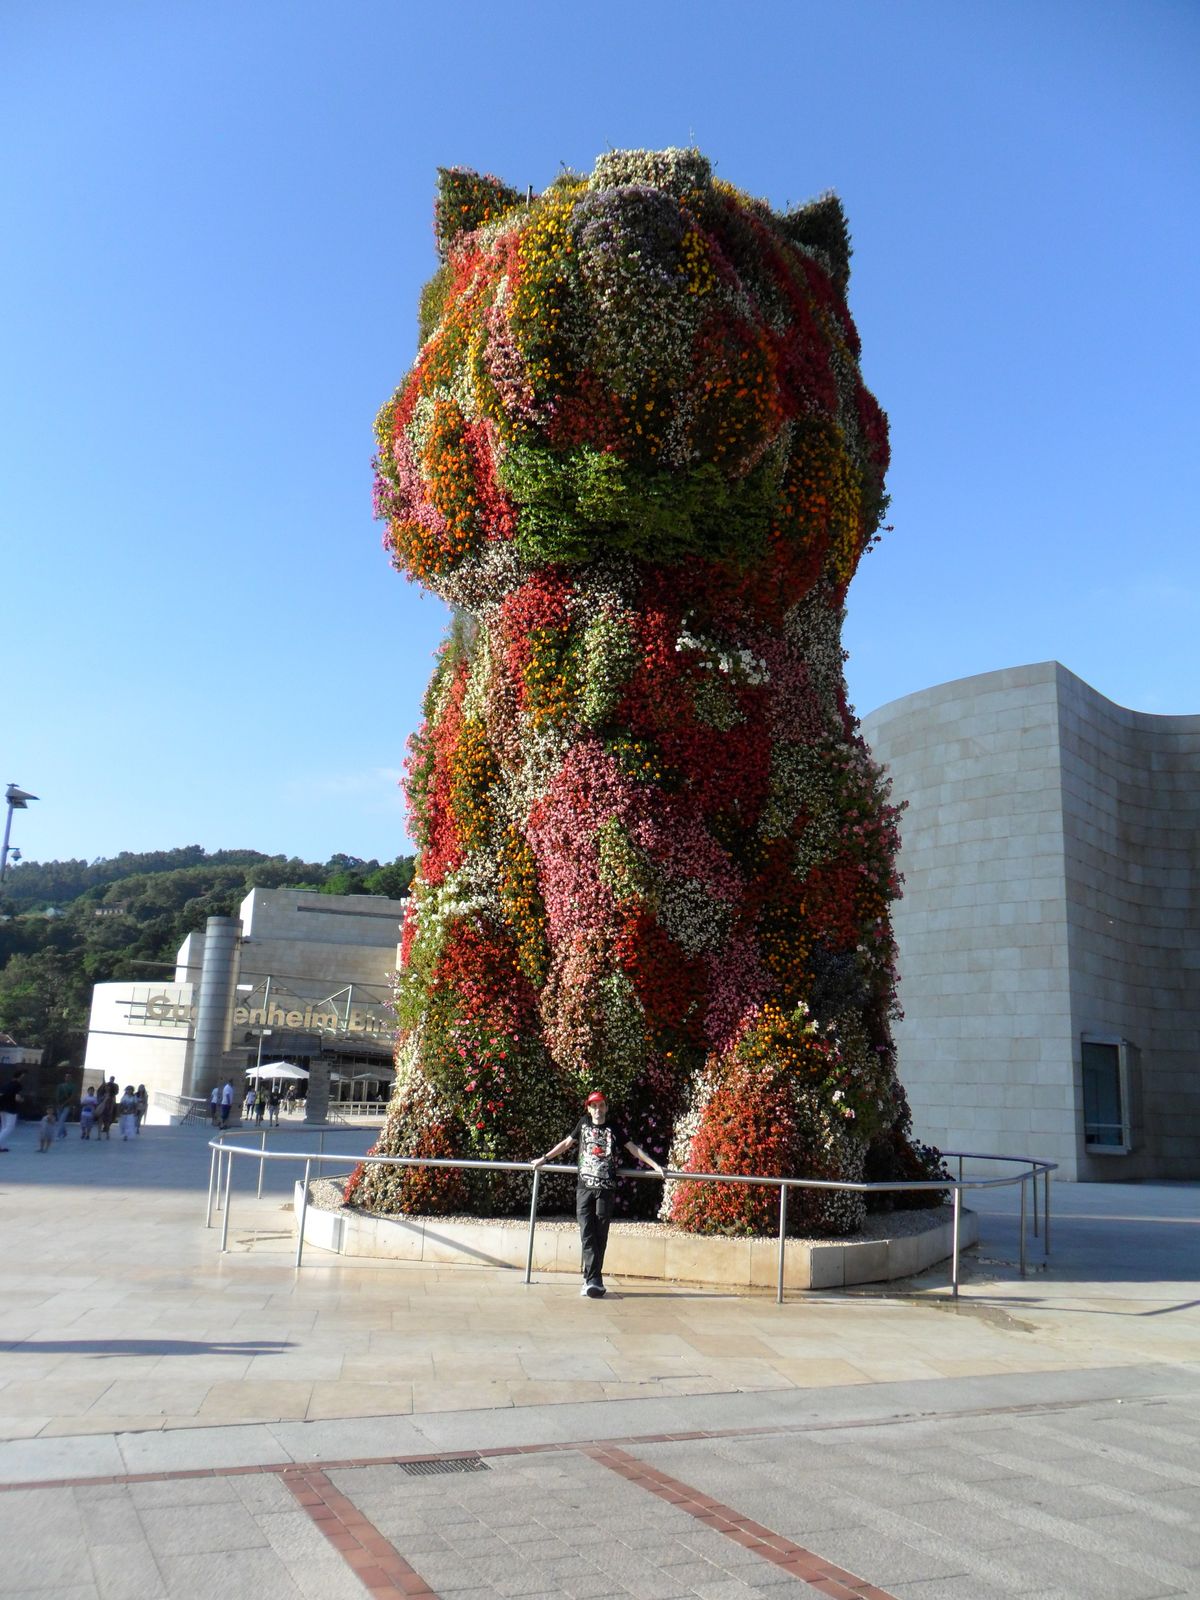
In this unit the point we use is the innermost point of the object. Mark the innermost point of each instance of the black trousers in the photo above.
(594, 1209)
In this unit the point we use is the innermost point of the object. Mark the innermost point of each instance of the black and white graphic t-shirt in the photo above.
(600, 1152)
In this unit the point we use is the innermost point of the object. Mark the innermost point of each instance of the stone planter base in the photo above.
(922, 1239)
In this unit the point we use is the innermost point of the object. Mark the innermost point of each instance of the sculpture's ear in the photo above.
(821, 225)
(465, 201)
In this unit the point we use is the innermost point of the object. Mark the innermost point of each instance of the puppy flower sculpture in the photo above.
(636, 457)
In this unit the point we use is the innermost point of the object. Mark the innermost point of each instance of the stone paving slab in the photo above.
(1036, 1440)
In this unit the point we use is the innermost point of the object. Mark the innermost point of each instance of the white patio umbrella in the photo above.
(277, 1069)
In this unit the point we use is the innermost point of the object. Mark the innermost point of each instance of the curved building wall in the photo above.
(1051, 853)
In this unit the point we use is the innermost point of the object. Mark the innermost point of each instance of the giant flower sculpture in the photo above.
(636, 457)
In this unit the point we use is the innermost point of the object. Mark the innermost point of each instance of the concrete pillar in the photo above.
(214, 1006)
(316, 1104)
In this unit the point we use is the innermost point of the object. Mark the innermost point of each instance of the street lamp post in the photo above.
(18, 800)
(262, 1031)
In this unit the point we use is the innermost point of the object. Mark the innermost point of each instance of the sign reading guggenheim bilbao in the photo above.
(370, 1021)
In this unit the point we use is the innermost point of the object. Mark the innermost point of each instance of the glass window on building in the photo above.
(1106, 1095)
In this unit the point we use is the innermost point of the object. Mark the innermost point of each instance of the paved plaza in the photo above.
(177, 1425)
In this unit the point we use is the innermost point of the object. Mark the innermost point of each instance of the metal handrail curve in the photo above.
(1031, 1167)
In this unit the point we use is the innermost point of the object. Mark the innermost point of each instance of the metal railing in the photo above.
(187, 1107)
(1031, 1169)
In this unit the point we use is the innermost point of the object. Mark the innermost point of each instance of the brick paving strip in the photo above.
(823, 1576)
(376, 1562)
(386, 1575)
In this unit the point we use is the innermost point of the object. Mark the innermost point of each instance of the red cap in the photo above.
(596, 1098)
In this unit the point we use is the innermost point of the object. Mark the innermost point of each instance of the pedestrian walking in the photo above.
(248, 1102)
(214, 1104)
(64, 1099)
(226, 1101)
(127, 1108)
(106, 1110)
(273, 1103)
(87, 1113)
(46, 1129)
(260, 1106)
(12, 1097)
(143, 1105)
(600, 1144)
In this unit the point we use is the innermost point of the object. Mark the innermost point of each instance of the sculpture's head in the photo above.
(643, 362)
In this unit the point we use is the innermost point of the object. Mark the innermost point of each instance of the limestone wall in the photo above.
(1131, 822)
(1052, 870)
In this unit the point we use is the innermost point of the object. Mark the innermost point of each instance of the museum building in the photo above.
(1049, 934)
(295, 976)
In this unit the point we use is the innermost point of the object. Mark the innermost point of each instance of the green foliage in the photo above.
(433, 302)
(565, 498)
(465, 201)
(609, 657)
(43, 1002)
(345, 881)
(392, 880)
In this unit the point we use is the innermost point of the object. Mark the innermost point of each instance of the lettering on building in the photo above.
(368, 1021)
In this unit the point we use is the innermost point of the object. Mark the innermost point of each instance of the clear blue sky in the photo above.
(216, 224)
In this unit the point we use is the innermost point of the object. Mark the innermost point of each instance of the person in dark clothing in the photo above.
(600, 1145)
(106, 1109)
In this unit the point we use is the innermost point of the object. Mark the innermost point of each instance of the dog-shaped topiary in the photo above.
(636, 457)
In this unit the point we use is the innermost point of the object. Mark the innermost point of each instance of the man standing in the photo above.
(600, 1145)
(226, 1101)
(214, 1104)
(64, 1099)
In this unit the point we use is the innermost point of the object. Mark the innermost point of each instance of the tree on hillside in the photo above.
(44, 1003)
(392, 879)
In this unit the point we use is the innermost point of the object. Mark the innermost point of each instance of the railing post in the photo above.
(1046, 1208)
(783, 1197)
(225, 1212)
(1024, 1180)
(303, 1215)
(321, 1143)
(261, 1165)
(212, 1173)
(1033, 1186)
(954, 1241)
(533, 1204)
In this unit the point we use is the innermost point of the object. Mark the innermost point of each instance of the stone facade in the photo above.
(313, 979)
(1052, 898)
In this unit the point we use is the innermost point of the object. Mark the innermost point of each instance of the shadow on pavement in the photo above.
(153, 1347)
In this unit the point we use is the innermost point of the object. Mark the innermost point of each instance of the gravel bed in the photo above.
(326, 1195)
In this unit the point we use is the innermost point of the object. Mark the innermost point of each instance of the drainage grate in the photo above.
(425, 1469)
